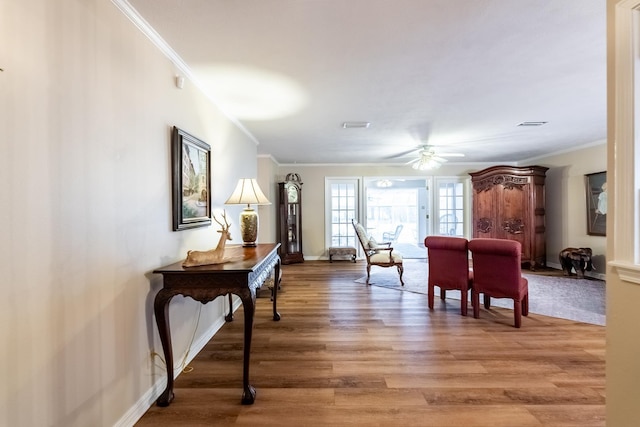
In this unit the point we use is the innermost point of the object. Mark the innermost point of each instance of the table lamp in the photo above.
(248, 192)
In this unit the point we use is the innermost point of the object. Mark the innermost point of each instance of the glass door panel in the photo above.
(398, 203)
(450, 211)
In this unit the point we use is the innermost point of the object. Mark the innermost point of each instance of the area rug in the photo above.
(550, 292)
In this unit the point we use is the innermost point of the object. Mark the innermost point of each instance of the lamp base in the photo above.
(249, 227)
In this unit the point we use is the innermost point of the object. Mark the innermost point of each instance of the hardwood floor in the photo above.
(347, 354)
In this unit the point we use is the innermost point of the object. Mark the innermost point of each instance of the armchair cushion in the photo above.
(362, 235)
(368, 241)
(382, 256)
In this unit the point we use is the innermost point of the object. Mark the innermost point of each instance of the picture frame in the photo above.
(191, 181)
(596, 187)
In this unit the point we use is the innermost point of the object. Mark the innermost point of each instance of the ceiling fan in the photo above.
(428, 158)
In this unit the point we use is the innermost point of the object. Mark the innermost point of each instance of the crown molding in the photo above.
(146, 29)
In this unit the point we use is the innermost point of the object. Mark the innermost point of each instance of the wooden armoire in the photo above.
(508, 203)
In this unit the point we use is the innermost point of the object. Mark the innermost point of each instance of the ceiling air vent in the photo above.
(350, 125)
(532, 123)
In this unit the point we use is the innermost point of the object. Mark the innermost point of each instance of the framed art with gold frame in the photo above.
(191, 181)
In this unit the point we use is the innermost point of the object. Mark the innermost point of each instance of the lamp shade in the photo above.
(247, 192)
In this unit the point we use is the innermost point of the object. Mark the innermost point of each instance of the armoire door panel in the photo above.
(484, 219)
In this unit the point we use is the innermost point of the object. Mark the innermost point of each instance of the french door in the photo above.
(422, 206)
(393, 202)
(342, 202)
(450, 206)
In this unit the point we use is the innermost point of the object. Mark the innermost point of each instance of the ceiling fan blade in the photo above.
(449, 154)
(425, 150)
(405, 153)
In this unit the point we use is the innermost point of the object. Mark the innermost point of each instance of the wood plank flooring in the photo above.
(347, 354)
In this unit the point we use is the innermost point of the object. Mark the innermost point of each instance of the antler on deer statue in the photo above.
(212, 256)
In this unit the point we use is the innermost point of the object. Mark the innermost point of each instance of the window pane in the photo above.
(343, 204)
(450, 208)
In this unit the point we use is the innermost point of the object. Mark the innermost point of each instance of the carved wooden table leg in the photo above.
(229, 317)
(161, 309)
(276, 284)
(248, 298)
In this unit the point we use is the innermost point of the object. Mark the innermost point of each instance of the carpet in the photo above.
(550, 292)
(409, 250)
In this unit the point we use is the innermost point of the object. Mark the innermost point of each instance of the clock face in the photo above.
(292, 194)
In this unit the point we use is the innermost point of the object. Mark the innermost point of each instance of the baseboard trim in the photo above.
(148, 399)
(599, 276)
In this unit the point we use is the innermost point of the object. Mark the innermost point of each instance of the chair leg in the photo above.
(430, 295)
(443, 294)
(475, 301)
(400, 271)
(463, 302)
(368, 272)
(517, 312)
(525, 305)
(487, 301)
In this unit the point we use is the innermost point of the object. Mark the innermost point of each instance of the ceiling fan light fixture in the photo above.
(426, 163)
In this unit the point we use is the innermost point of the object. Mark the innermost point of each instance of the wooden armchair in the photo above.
(381, 255)
(497, 273)
(449, 268)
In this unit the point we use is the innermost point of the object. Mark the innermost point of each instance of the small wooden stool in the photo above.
(342, 251)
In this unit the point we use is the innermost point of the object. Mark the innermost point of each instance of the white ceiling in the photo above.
(456, 73)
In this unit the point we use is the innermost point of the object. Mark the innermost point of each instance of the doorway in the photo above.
(397, 210)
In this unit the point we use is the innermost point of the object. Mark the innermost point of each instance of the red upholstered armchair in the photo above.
(449, 267)
(497, 273)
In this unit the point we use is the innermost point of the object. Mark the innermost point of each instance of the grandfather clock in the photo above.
(290, 221)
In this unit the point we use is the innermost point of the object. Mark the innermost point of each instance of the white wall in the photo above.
(86, 108)
(267, 179)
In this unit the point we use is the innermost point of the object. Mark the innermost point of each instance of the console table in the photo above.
(246, 271)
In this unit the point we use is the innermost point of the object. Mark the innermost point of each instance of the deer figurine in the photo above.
(212, 256)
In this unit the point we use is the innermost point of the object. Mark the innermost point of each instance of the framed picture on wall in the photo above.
(191, 181)
(596, 186)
